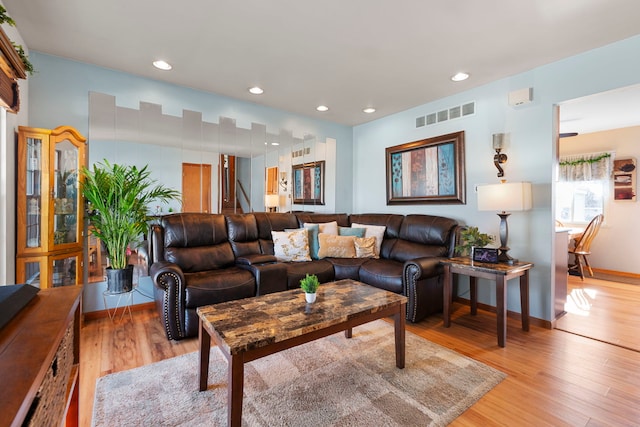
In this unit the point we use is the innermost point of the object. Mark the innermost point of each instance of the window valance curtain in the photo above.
(586, 167)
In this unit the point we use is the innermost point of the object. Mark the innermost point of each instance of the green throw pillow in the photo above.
(349, 231)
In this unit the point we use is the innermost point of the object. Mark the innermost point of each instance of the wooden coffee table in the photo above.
(252, 328)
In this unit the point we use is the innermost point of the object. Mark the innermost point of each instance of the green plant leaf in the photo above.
(118, 196)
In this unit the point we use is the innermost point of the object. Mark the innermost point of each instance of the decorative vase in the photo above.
(119, 280)
(310, 297)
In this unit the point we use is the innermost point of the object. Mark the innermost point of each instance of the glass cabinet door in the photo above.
(33, 192)
(65, 193)
(66, 270)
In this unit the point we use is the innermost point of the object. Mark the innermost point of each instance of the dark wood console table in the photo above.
(39, 360)
(500, 273)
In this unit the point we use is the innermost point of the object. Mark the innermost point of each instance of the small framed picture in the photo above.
(485, 255)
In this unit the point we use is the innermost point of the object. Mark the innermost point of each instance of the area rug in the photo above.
(333, 381)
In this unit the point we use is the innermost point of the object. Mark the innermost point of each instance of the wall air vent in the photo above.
(452, 113)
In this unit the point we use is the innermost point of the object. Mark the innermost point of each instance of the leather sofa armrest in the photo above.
(169, 278)
(255, 259)
(419, 268)
(422, 285)
(270, 277)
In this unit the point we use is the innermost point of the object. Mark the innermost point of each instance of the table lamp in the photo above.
(271, 201)
(505, 197)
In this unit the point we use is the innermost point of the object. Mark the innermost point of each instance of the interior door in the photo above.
(196, 187)
(227, 193)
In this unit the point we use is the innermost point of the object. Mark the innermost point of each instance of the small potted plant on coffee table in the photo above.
(310, 286)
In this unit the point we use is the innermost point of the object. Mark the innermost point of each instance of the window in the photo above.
(583, 187)
(577, 202)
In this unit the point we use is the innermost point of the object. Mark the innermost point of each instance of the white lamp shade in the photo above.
(271, 200)
(505, 197)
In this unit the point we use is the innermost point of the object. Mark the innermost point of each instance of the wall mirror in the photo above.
(219, 167)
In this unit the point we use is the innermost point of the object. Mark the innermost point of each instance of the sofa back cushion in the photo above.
(320, 218)
(423, 236)
(243, 234)
(197, 241)
(272, 221)
(392, 224)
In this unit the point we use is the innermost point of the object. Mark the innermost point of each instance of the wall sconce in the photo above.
(499, 143)
(283, 181)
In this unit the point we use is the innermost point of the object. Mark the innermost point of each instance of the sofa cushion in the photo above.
(346, 268)
(243, 234)
(201, 258)
(341, 218)
(273, 221)
(291, 245)
(336, 246)
(215, 286)
(383, 273)
(298, 270)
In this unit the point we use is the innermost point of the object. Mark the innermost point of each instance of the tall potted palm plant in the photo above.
(118, 197)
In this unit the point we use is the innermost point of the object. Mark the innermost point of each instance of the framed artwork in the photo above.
(308, 183)
(624, 179)
(427, 171)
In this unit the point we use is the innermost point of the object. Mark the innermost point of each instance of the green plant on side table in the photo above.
(471, 238)
(118, 197)
(310, 285)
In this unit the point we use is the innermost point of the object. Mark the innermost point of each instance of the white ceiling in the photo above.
(347, 54)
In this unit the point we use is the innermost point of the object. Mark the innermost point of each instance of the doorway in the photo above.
(604, 307)
(196, 187)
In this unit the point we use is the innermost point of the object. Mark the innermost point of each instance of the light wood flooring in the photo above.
(602, 310)
(554, 378)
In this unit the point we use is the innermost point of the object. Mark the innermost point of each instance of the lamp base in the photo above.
(504, 257)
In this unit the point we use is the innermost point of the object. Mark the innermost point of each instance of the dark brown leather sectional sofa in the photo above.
(200, 259)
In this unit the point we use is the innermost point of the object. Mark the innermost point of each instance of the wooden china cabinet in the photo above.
(50, 206)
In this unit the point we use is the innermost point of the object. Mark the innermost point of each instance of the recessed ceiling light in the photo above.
(275, 143)
(162, 65)
(256, 90)
(322, 108)
(460, 77)
(369, 110)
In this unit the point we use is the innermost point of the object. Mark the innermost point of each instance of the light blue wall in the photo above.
(59, 95)
(531, 154)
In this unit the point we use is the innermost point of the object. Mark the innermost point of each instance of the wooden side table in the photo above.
(501, 273)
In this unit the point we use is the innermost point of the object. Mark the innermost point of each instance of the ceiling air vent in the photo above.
(452, 113)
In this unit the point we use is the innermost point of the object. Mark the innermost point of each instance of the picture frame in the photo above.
(308, 183)
(485, 255)
(428, 171)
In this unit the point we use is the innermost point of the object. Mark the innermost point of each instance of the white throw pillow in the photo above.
(291, 245)
(376, 231)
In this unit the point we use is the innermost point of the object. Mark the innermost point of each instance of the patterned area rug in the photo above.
(333, 381)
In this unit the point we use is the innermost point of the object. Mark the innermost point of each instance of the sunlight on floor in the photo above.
(579, 301)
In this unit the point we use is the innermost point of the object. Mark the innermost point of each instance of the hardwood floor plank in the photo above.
(554, 378)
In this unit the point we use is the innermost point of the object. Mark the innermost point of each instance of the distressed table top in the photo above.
(494, 268)
(256, 322)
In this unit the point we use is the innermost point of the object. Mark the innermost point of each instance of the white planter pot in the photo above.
(310, 297)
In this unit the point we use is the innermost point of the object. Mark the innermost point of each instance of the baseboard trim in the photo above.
(617, 273)
(547, 324)
(94, 315)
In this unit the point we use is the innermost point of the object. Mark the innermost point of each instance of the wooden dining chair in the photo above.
(582, 246)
